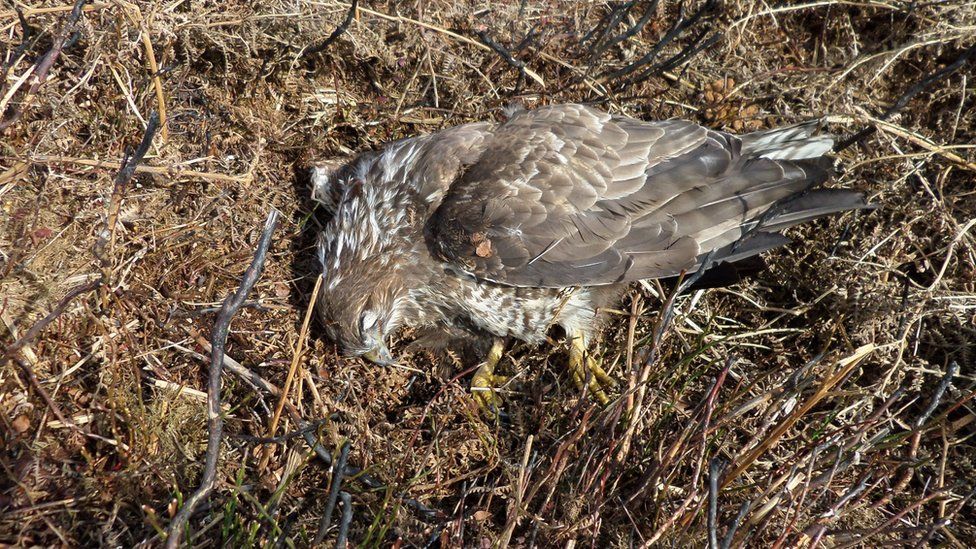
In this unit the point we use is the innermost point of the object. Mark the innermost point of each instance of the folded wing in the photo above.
(568, 195)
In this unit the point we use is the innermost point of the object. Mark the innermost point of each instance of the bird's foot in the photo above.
(587, 372)
(485, 381)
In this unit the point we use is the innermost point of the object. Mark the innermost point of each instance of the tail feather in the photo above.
(772, 207)
(762, 233)
(814, 204)
(789, 143)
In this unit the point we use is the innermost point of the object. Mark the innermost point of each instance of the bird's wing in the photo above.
(568, 195)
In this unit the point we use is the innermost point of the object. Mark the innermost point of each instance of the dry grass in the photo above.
(814, 403)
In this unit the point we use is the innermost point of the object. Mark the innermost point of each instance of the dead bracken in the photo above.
(825, 401)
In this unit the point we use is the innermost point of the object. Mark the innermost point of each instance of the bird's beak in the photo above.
(381, 356)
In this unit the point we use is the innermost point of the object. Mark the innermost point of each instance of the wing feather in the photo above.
(569, 195)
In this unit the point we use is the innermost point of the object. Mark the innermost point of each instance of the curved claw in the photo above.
(484, 382)
(587, 372)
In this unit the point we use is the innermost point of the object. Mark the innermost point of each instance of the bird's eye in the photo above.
(369, 320)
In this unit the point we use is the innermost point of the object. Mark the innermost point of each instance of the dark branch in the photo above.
(603, 43)
(28, 39)
(730, 535)
(679, 27)
(500, 50)
(346, 520)
(215, 421)
(287, 436)
(308, 52)
(909, 94)
(367, 480)
(41, 324)
(507, 56)
(951, 372)
(121, 180)
(607, 23)
(44, 65)
(338, 471)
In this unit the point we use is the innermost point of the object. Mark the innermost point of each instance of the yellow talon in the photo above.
(484, 381)
(587, 372)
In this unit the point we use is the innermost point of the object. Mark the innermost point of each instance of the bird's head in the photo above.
(360, 312)
(367, 255)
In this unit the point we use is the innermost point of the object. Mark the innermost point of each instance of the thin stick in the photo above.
(121, 181)
(287, 436)
(37, 328)
(343, 537)
(515, 510)
(506, 55)
(31, 12)
(367, 480)
(291, 374)
(338, 470)
(714, 471)
(903, 100)
(156, 170)
(846, 365)
(401, 19)
(215, 421)
(153, 65)
(308, 52)
(45, 64)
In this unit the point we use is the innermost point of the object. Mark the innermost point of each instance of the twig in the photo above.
(612, 19)
(310, 51)
(916, 437)
(31, 12)
(153, 66)
(235, 367)
(506, 55)
(286, 389)
(895, 518)
(45, 396)
(156, 170)
(923, 142)
(940, 390)
(44, 65)
(215, 422)
(401, 19)
(846, 365)
(515, 507)
(121, 180)
(338, 469)
(14, 57)
(714, 471)
(900, 103)
(607, 23)
(734, 527)
(37, 328)
(680, 26)
(287, 436)
(371, 482)
(343, 537)
(106, 237)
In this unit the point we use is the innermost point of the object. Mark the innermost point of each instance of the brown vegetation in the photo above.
(826, 402)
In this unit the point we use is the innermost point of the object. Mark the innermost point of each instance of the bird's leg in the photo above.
(586, 371)
(484, 381)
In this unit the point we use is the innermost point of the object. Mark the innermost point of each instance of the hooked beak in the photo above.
(381, 356)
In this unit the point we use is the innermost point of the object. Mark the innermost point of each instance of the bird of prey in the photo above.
(492, 231)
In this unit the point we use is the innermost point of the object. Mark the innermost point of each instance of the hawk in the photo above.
(491, 231)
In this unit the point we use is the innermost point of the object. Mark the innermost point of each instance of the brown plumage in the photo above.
(506, 230)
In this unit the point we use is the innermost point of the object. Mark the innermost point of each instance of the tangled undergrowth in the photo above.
(825, 402)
